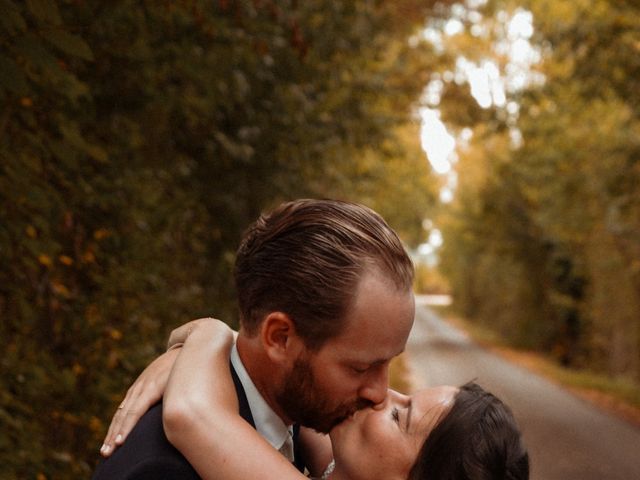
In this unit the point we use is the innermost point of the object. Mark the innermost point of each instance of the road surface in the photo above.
(567, 438)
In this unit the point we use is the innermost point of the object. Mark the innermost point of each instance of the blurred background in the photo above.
(138, 140)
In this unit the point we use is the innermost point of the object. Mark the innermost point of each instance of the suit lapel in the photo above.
(245, 411)
(299, 458)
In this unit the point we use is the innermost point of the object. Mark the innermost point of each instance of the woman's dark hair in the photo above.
(477, 439)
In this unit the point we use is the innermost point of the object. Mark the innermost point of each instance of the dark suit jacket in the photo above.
(147, 454)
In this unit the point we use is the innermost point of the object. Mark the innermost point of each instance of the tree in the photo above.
(542, 237)
(137, 141)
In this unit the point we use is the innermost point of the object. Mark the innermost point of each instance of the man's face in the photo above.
(350, 371)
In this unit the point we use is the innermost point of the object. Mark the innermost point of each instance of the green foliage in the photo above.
(137, 141)
(542, 241)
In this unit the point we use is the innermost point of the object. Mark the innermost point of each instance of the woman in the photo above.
(439, 433)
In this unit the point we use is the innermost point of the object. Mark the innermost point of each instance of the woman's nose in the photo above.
(375, 388)
(398, 398)
(392, 397)
(382, 405)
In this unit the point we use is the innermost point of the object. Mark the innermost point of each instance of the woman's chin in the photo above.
(336, 434)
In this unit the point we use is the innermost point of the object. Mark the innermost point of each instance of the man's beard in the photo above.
(301, 400)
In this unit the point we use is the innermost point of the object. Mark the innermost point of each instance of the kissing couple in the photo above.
(325, 296)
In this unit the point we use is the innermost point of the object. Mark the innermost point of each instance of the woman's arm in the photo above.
(201, 419)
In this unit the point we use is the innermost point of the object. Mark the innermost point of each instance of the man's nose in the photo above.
(375, 388)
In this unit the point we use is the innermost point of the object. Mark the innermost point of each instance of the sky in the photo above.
(489, 87)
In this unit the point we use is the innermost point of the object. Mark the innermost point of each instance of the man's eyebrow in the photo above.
(406, 428)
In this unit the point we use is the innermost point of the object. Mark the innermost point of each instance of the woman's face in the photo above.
(384, 441)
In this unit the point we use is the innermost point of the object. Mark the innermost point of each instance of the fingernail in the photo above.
(106, 450)
(102, 448)
(119, 439)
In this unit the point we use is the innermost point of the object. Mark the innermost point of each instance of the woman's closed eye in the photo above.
(395, 414)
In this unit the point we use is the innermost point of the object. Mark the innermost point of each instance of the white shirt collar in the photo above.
(268, 424)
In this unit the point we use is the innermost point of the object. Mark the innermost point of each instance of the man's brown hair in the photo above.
(305, 259)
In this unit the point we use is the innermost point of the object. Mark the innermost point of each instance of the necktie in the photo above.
(287, 446)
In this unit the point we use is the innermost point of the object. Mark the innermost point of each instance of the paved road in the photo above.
(567, 438)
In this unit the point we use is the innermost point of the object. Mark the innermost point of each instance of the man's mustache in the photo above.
(359, 405)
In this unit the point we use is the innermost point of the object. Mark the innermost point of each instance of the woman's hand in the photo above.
(150, 386)
(145, 392)
(179, 335)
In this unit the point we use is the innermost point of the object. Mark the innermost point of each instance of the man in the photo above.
(324, 289)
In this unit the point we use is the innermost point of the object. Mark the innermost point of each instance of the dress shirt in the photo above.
(268, 424)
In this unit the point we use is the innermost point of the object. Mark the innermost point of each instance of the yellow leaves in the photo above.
(65, 260)
(78, 369)
(101, 233)
(89, 257)
(115, 334)
(44, 260)
(26, 102)
(92, 314)
(55, 306)
(47, 261)
(41, 476)
(67, 417)
(60, 289)
(70, 418)
(68, 260)
(95, 424)
(112, 360)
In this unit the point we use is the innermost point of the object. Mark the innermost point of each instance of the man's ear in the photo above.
(279, 337)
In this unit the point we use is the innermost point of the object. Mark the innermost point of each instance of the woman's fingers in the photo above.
(143, 394)
(115, 435)
(109, 439)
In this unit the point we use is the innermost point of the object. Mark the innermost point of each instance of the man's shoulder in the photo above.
(146, 454)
